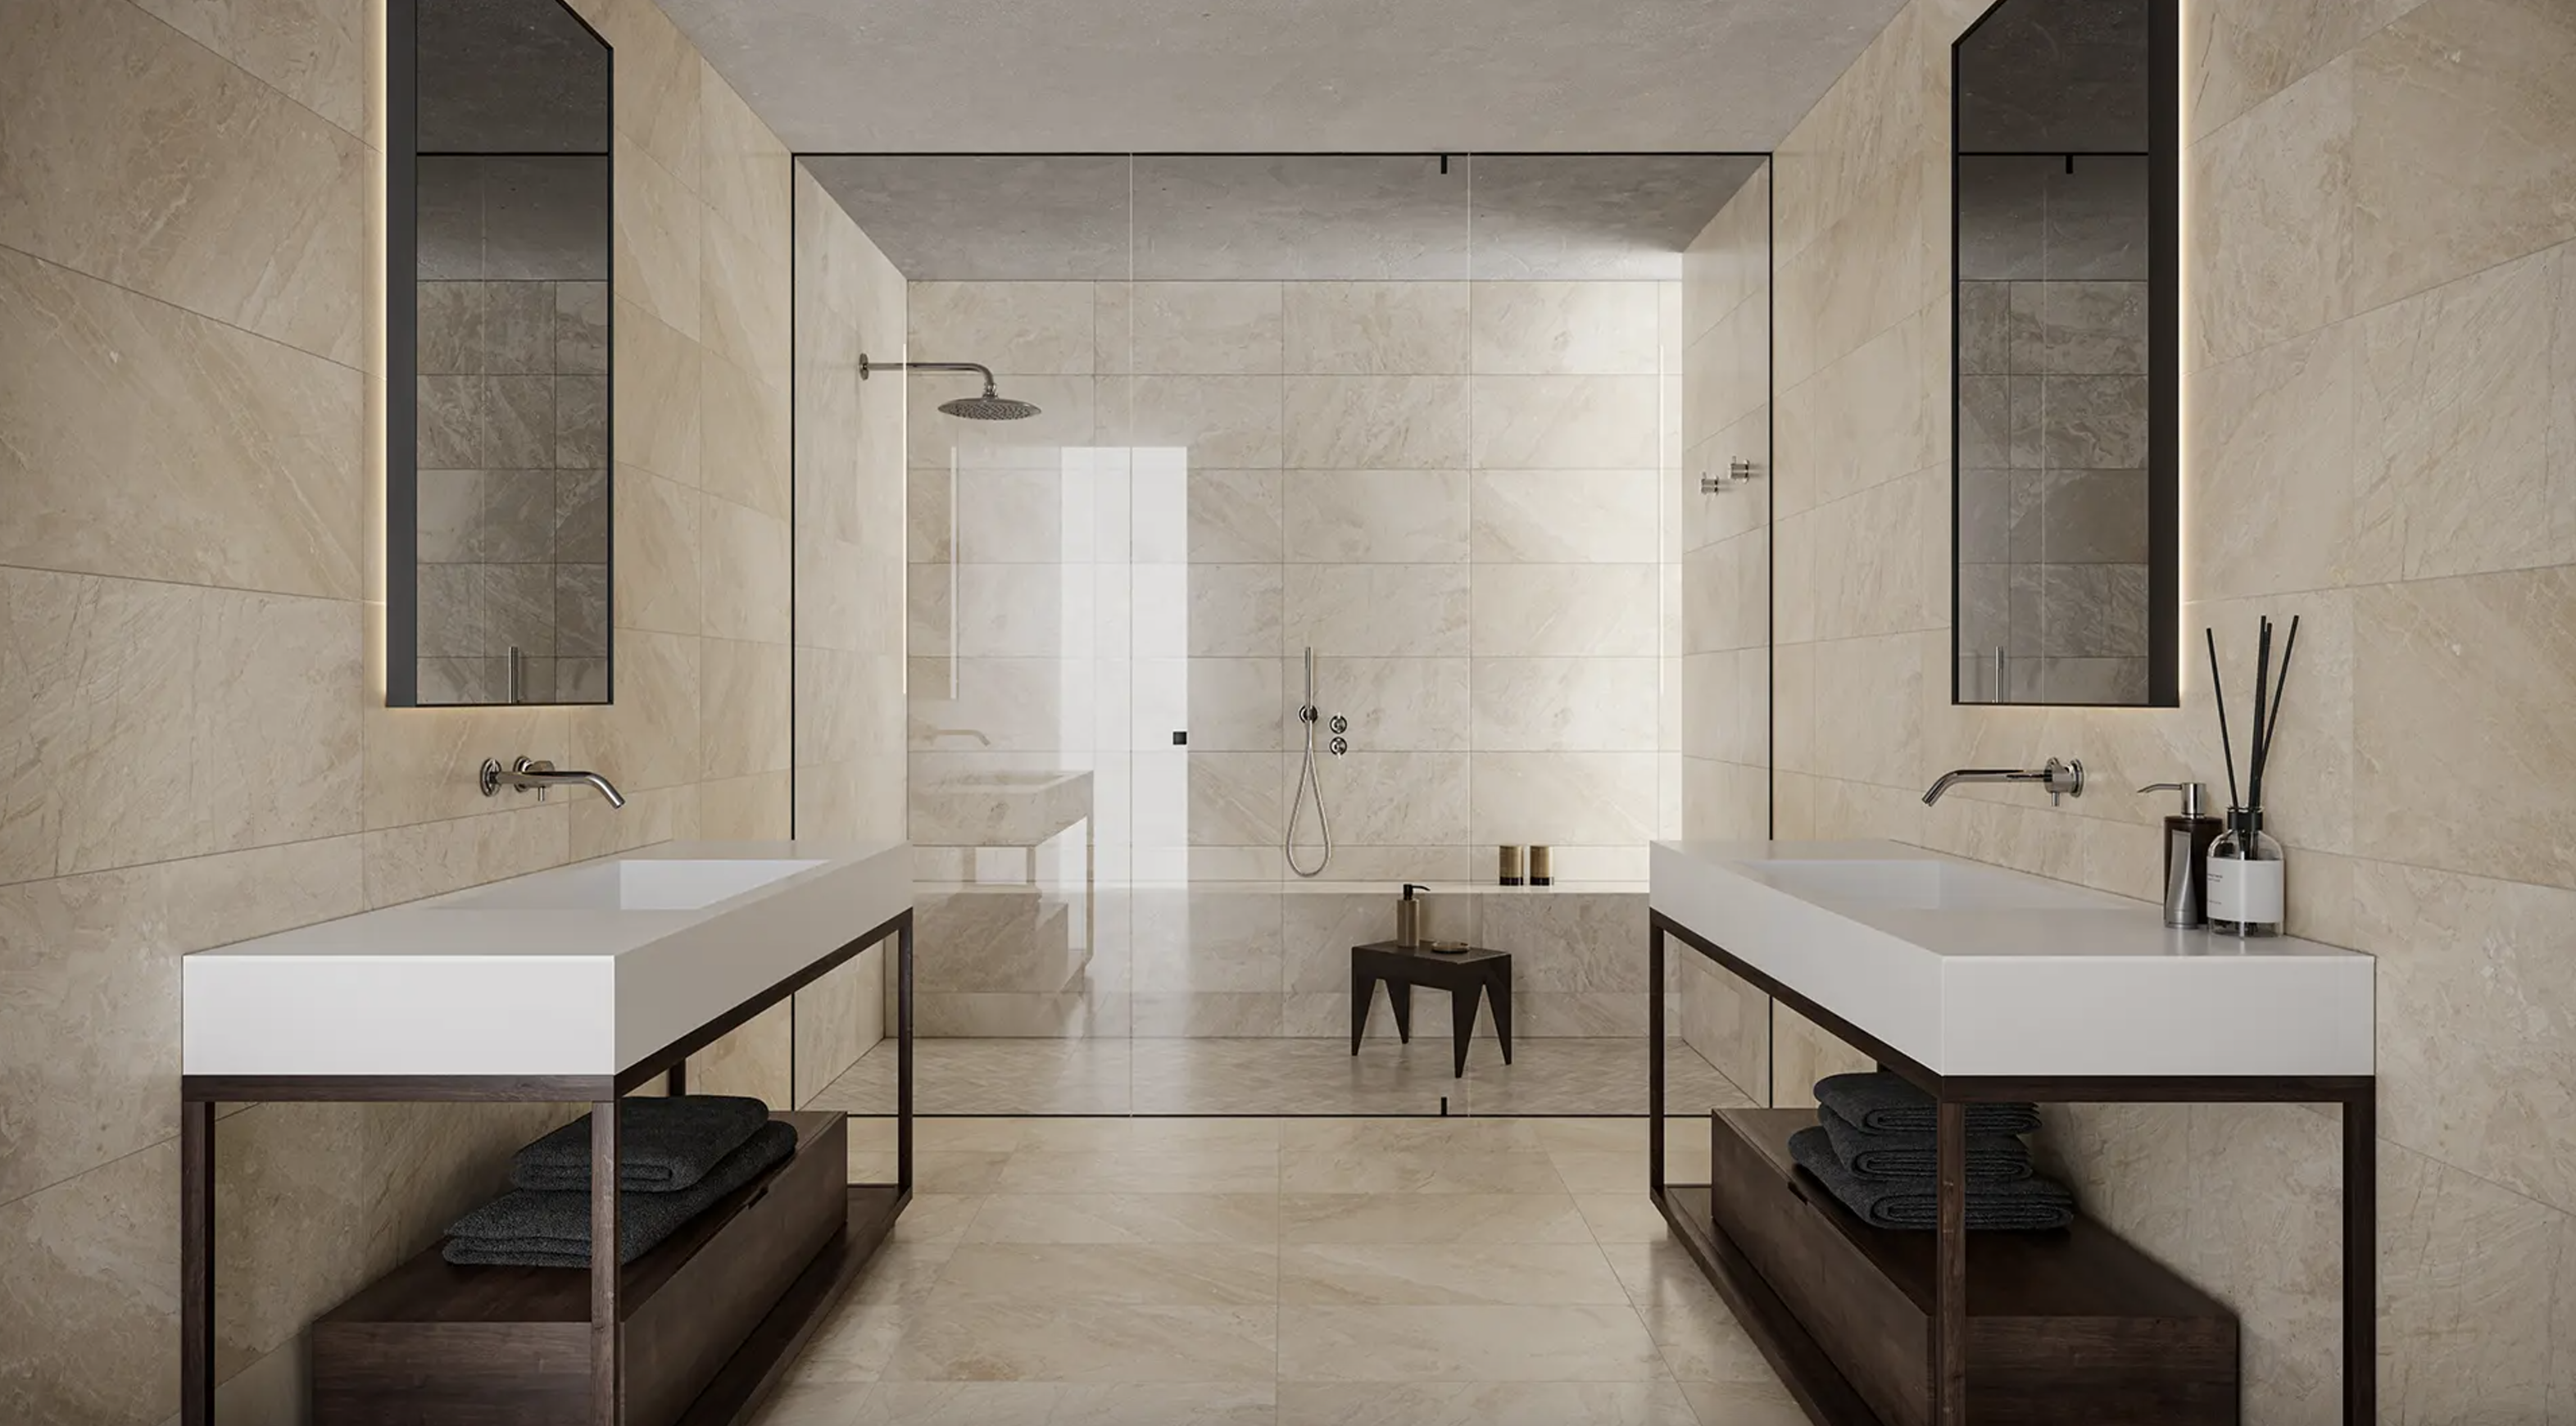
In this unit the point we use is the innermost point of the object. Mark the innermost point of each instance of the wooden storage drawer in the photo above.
(433, 1344)
(2073, 1328)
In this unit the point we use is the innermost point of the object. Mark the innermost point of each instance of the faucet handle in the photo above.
(2065, 779)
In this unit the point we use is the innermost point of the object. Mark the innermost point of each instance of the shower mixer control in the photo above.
(1341, 724)
(1340, 746)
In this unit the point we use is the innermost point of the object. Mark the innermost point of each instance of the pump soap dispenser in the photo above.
(1408, 918)
(2187, 839)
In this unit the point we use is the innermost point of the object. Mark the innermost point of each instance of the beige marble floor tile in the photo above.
(1660, 1273)
(1454, 1135)
(1622, 1217)
(1143, 1274)
(1101, 1343)
(1148, 1134)
(1459, 1403)
(1127, 1218)
(900, 1274)
(1436, 1274)
(1466, 1344)
(817, 1403)
(853, 1344)
(1380, 1218)
(1611, 1171)
(1418, 1171)
(1166, 1404)
(957, 1404)
(1700, 1339)
(1142, 1171)
(1743, 1403)
(937, 1218)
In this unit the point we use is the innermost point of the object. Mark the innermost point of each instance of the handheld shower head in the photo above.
(991, 406)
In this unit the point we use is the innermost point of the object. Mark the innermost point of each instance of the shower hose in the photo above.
(1309, 785)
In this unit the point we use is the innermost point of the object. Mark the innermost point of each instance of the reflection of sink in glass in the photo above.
(998, 807)
(1924, 886)
(1004, 781)
(638, 885)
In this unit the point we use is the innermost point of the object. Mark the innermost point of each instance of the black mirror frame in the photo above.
(2164, 361)
(402, 360)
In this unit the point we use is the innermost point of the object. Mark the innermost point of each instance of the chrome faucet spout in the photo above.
(2062, 778)
(531, 775)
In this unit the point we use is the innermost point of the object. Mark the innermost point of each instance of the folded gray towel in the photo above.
(2023, 1205)
(662, 1144)
(1992, 1158)
(551, 1228)
(1884, 1104)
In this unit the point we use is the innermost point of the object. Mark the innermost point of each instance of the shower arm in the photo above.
(866, 367)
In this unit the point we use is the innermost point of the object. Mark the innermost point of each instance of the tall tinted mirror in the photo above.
(2068, 384)
(497, 243)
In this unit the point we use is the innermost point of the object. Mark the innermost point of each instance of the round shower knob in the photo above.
(1341, 724)
(1341, 746)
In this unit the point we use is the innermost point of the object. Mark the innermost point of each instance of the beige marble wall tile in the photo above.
(2277, 455)
(1191, 328)
(114, 395)
(744, 708)
(1563, 516)
(744, 176)
(656, 95)
(746, 452)
(1564, 328)
(1224, 422)
(278, 685)
(422, 859)
(751, 1061)
(2450, 69)
(95, 960)
(1375, 422)
(650, 736)
(1403, 799)
(657, 562)
(1394, 704)
(744, 295)
(1566, 422)
(2456, 387)
(1569, 799)
(1376, 517)
(148, 161)
(2466, 1269)
(1234, 517)
(1037, 328)
(1535, 610)
(1385, 610)
(1234, 609)
(2458, 756)
(2244, 54)
(757, 808)
(318, 52)
(92, 1262)
(1566, 704)
(2276, 194)
(657, 253)
(1375, 328)
(2461, 958)
(658, 395)
(744, 570)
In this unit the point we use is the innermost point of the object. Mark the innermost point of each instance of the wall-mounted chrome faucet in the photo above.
(2063, 779)
(531, 775)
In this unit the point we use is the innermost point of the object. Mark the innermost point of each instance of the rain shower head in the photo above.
(991, 406)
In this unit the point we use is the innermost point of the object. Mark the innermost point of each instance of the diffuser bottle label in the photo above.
(2245, 892)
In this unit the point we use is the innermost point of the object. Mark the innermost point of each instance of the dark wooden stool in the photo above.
(1466, 975)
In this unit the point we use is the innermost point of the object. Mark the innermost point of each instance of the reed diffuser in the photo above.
(2245, 888)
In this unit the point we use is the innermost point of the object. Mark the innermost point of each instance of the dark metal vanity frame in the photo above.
(755, 1369)
(1812, 1377)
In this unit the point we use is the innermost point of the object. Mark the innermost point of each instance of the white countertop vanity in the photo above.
(1978, 984)
(1970, 969)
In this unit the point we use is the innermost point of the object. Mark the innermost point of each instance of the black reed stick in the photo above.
(2262, 685)
(2279, 684)
(2218, 691)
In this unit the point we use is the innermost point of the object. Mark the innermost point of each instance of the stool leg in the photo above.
(1363, 990)
(1502, 992)
(1400, 995)
(1462, 1021)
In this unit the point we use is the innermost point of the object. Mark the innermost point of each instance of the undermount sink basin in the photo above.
(643, 884)
(1924, 885)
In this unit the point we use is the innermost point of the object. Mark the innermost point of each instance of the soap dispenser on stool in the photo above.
(2188, 836)
(1408, 917)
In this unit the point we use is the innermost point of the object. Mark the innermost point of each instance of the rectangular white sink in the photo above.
(581, 970)
(627, 885)
(1925, 885)
(1970, 969)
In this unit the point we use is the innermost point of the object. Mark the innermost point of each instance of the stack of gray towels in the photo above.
(1873, 1147)
(676, 1158)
